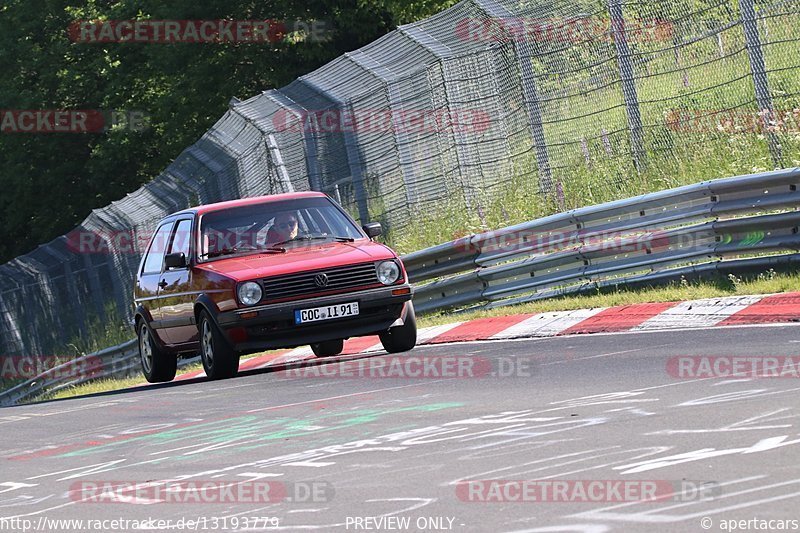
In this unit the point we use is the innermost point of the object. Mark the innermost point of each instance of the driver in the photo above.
(284, 228)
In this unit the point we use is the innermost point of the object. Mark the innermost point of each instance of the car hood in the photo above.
(299, 259)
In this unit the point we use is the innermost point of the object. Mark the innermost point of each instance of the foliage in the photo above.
(182, 88)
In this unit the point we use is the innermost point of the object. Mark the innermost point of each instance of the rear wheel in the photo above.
(220, 361)
(158, 365)
(328, 348)
(401, 338)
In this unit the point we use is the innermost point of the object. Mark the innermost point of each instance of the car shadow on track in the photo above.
(272, 368)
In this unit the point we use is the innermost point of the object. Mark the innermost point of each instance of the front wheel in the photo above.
(220, 361)
(158, 366)
(401, 338)
(328, 348)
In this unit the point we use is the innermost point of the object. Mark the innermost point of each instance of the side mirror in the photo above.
(373, 229)
(175, 260)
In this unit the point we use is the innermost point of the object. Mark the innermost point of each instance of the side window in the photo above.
(181, 238)
(154, 259)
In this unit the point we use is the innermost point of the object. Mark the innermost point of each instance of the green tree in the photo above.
(50, 182)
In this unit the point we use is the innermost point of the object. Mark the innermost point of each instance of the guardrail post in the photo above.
(758, 70)
(628, 77)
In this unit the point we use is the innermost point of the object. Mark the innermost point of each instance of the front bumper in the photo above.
(274, 327)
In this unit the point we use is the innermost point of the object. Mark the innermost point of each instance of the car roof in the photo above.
(219, 206)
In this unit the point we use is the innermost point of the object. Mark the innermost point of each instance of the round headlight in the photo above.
(388, 272)
(250, 293)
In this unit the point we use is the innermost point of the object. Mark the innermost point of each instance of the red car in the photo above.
(270, 272)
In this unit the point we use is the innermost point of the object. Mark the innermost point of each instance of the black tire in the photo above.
(220, 361)
(328, 348)
(401, 338)
(158, 366)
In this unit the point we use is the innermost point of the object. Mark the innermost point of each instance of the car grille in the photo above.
(340, 278)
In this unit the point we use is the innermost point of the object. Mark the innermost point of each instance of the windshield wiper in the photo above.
(315, 238)
(234, 250)
(217, 253)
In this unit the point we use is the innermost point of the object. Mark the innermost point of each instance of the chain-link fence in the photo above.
(487, 95)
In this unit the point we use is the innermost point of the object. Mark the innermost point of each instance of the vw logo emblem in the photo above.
(321, 280)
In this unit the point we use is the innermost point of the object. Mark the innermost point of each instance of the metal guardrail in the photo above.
(110, 362)
(648, 239)
(657, 236)
(121, 361)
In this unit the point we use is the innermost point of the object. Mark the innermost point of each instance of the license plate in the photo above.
(328, 312)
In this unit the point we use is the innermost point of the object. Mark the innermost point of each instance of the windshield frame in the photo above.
(276, 206)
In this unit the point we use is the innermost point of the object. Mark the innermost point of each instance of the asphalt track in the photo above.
(352, 448)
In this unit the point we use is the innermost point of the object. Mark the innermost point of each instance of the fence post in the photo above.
(94, 282)
(463, 156)
(277, 162)
(443, 53)
(351, 149)
(395, 100)
(628, 77)
(72, 291)
(759, 72)
(356, 171)
(309, 129)
(530, 91)
(10, 335)
(402, 141)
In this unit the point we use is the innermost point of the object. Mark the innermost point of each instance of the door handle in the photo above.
(162, 284)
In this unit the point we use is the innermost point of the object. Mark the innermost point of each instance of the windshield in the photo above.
(273, 227)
